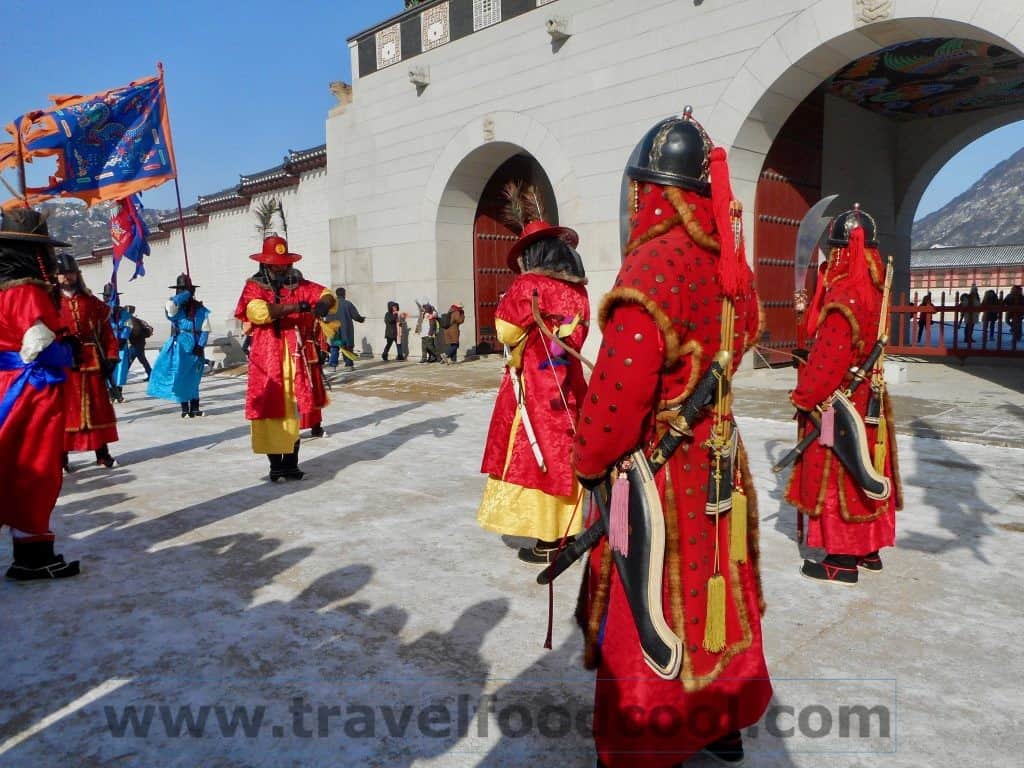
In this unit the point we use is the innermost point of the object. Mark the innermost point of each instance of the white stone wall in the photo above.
(406, 168)
(219, 256)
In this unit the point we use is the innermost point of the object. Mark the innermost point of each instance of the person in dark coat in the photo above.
(391, 330)
(344, 334)
(456, 316)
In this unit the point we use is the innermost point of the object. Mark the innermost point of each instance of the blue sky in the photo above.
(246, 82)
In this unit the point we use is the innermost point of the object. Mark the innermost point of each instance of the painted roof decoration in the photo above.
(932, 77)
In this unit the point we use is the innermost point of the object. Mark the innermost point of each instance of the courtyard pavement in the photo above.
(363, 615)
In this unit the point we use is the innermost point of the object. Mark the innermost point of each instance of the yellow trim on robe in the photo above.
(513, 510)
(275, 435)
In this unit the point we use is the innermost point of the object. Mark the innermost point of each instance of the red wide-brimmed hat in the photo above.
(275, 252)
(539, 230)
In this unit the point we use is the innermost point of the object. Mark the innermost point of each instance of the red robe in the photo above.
(264, 398)
(559, 303)
(32, 437)
(89, 420)
(661, 326)
(843, 520)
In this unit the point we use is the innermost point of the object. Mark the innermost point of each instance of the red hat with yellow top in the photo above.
(275, 252)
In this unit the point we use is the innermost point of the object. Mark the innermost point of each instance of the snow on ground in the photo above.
(369, 617)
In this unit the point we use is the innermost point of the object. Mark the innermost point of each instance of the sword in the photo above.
(531, 436)
(812, 227)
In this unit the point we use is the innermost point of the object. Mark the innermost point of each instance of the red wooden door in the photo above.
(789, 184)
(492, 240)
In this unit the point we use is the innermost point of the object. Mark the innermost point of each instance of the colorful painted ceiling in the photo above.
(932, 77)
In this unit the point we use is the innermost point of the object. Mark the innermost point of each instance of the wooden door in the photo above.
(492, 240)
(789, 184)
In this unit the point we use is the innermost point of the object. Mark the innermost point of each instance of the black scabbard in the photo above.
(573, 552)
(859, 375)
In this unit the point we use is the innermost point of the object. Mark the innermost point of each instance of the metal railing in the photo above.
(959, 329)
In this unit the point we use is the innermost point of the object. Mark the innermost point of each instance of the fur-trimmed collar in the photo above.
(565, 277)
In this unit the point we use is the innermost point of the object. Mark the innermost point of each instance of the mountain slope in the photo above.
(990, 212)
(87, 228)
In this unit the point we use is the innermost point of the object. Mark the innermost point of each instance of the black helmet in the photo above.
(675, 153)
(847, 221)
(66, 264)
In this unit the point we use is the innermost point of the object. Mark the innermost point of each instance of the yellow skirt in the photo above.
(279, 435)
(517, 511)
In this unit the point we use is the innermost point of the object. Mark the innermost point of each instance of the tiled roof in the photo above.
(974, 256)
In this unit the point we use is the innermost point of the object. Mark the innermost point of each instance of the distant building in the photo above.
(953, 270)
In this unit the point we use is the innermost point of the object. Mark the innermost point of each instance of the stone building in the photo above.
(867, 99)
(864, 98)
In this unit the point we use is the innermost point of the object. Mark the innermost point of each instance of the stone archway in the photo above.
(457, 181)
(863, 156)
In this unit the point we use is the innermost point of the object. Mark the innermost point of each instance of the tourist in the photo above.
(342, 320)
(140, 333)
(451, 321)
(426, 329)
(390, 329)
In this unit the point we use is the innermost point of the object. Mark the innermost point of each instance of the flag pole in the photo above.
(177, 189)
(21, 164)
(181, 223)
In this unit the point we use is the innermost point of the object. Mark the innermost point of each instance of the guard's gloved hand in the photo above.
(304, 306)
(277, 311)
(323, 307)
(199, 352)
(800, 357)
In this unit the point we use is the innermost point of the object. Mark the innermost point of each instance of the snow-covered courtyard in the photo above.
(361, 618)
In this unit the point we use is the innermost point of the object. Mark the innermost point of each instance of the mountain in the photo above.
(87, 228)
(990, 212)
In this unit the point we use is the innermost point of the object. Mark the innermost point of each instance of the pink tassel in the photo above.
(828, 428)
(618, 530)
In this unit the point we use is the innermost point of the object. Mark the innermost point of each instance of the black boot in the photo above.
(193, 408)
(872, 561)
(276, 467)
(542, 552)
(184, 409)
(66, 462)
(290, 464)
(103, 457)
(836, 569)
(727, 750)
(34, 560)
(116, 395)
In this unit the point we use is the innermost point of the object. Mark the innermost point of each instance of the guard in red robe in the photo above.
(843, 319)
(662, 326)
(531, 490)
(89, 420)
(33, 363)
(285, 379)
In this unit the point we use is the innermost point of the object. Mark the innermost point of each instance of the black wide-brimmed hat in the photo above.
(27, 226)
(183, 283)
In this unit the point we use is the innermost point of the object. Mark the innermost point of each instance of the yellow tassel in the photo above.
(881, 445)
(714, 628)
(738, 527)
